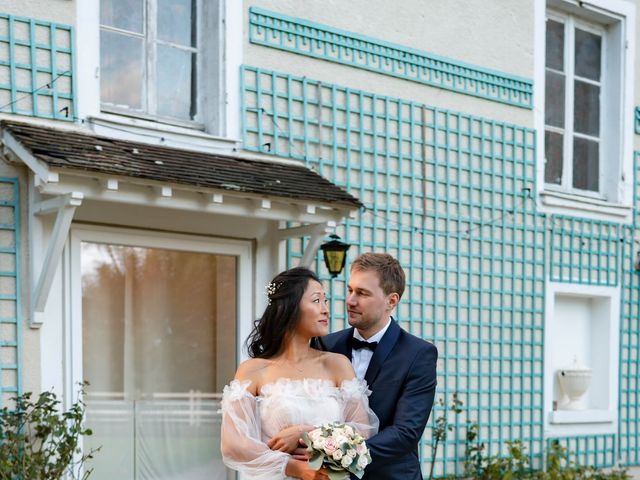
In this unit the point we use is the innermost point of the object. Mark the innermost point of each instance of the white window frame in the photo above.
(72, 331)
(568, 131)
(223, 128)
(614, 201)
(150, 41)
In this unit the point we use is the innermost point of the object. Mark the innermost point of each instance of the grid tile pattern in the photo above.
(585, 251)
(36, 68)
(10, 299)
(449, 195)
(590, 450)
(629, 401)
(300, 36)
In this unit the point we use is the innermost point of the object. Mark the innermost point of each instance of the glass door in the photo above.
(159, 342)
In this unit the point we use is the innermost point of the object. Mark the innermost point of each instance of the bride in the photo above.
(286, 387)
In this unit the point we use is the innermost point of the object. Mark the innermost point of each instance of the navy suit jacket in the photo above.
(402, 378)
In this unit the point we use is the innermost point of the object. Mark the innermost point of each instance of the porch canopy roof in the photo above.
(70, 165)
(64, 159)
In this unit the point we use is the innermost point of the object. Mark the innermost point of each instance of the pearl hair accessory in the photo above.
(270, 289)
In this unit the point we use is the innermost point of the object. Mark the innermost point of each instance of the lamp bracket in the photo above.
(306, 230)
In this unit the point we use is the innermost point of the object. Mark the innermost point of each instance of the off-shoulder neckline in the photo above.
(244, 384)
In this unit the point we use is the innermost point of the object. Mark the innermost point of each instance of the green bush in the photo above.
(515, 464)
(38, 441)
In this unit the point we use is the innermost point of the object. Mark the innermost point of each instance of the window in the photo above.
(152, 57)
(585, 116)
(573, 102)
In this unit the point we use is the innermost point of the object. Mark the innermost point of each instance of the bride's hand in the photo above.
(298, 469)
(286, 440)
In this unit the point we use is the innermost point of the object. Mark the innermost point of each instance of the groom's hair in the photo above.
(390, 273)
(273, 328)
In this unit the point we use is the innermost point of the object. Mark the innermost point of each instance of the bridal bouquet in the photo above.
(339, 448)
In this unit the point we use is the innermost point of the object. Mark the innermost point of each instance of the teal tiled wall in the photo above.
(36, 68)
(592, 450)
(585, 251)
(629, 407)
(10, 297)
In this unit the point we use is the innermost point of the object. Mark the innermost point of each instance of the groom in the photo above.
(399, 368)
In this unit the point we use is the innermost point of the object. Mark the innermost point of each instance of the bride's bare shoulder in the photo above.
(252, 369)
(338, 365)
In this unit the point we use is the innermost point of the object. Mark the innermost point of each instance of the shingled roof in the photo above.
(87, 152)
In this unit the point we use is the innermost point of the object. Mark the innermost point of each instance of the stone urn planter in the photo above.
(574, 381)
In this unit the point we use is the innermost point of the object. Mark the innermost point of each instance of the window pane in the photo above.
(588, 47)
(553, 157)
(176, 83)
(121, 70)
(586, 118)
(177, 21)
(554, 99)
(159, 344)
(124, 14)
(555, 45)
(586, 164)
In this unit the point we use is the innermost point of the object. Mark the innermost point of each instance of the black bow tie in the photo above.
(359, 344)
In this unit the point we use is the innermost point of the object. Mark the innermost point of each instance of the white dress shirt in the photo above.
(361, 358)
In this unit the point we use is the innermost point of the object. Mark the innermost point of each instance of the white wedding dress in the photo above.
(248, 421)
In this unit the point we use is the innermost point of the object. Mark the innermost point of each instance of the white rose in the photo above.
(319, 443)
(363, 461)
(349, 430)
(337, 455)
(346, 461)
(341, 440)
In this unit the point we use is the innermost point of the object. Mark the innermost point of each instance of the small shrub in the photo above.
(516, 463)
(38, 441)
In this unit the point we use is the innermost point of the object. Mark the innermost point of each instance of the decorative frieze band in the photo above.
(300, 36)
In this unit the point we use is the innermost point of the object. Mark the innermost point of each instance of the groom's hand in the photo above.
(286, 440)
(301, 453)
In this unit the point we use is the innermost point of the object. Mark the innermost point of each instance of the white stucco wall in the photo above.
(498, 35)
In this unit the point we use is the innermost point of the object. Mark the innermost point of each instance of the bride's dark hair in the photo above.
(281, 315)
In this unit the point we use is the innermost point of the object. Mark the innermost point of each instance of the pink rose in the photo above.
(361, 449)
(330, 446)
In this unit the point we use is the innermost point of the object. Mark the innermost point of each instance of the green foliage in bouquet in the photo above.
(38, 441)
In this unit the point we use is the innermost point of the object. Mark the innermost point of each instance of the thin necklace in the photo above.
(300, 370)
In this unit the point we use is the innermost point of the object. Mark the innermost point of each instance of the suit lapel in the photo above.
(383, 350)
(342, 344)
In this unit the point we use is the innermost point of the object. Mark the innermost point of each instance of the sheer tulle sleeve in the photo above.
(241, 444)
(355, 402)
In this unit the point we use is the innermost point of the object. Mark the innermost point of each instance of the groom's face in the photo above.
(367, 305)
